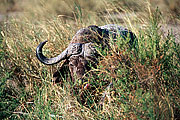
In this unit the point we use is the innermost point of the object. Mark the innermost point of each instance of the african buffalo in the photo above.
(81, 51)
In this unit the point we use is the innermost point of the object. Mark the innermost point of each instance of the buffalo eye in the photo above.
(71, 64)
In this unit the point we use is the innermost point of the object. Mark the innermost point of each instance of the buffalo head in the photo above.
(76, 55)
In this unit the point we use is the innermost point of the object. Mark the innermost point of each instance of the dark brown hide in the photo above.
(84, 35)
(76, 66)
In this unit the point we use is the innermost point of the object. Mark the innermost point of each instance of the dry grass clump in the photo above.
(145, 78)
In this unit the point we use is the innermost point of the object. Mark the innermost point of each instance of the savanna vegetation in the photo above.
(145, 78)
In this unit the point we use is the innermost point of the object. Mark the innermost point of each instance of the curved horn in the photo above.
(72, 49)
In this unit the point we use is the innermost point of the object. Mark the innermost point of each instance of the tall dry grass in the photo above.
(145, 78)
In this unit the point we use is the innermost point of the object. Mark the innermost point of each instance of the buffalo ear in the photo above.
(62, 73)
